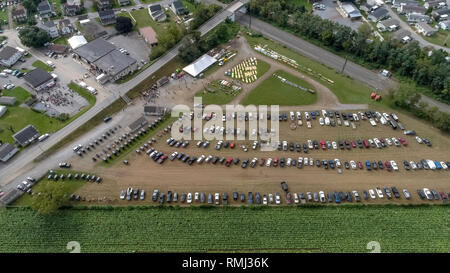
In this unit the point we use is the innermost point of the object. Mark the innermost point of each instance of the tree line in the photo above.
(409, 61)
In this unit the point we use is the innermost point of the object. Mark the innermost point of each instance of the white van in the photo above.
(43, 137)
(82, 85)
(92, 90)
(3, 75)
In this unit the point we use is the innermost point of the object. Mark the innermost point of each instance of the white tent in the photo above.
(199, 65)
(77, 41)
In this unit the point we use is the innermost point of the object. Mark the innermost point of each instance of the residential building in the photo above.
(65, 27)
(157, 13)
(403, 36)
(103, 57)
(414, 17)
(445, 25)
(7, 151)
(348, 10)
(107, 17)
(149, 35)
(123, 2)
(407, 9)
(45, 10)
(178, 8)
(26, 136)
(19, 14)
(399, 3)
(72, 7)
(103, 4)
(435, 4)
(441, 14)
(425, 29)
(388, 25)
(58, 49)
(9, 56)
(39, 79)
(369, 7)
(378, 15)
(49, 27)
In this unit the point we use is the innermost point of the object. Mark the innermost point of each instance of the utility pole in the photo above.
(343, 67)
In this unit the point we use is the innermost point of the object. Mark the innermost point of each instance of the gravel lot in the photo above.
(332, 14)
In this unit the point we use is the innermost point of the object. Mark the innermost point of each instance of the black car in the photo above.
(202, 197)
(427, 142)
(236, 161)
(325, 164)
(341, 145)
(180, 156)
(305, 148)
(365, 195)
(359, 142)
(395, 192)
(380, 165)
(318, 163)
(192, 160)
(284, 186)
(330, 197)
(214, 161)
(374, 165)
(282, 161)
(235, 195)
(226, 144)
(245, 163)
(406, 164)
(183, 198)
(421, 194)
(161, 198)
(349, 197)
(186, 158)
(346, 165)
(316, 144)
(298, 147)
(291, 146)
(250, 198)
(169, 196)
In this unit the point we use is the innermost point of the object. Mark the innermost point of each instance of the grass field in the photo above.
(83, 92)
(4, 15)
(273, 92)
(143, 19)
(346, 89)
(442, 38)
(283, 229)
(222, 94)
(61, 41)
(42, 65)
(305, 3)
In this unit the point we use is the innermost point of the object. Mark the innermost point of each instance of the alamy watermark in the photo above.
(228, 126)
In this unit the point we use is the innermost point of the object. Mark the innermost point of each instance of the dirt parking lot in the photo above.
(174, 175)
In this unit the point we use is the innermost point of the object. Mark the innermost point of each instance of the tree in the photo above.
(34, 37)
(52, 196)
(123, 24)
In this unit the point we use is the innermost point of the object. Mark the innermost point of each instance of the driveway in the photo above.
(422, 42)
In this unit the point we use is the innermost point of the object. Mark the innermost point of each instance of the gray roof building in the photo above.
(26, 135)
(7, 100)
(7, 52)
(138, 124)
(94, 50)
(378, 14)
(114, 62)
(37, 77)
(107, 17)
(7, 151)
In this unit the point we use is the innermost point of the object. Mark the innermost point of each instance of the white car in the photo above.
(394, 165)
(299, 115)
(277, 199)
(307, 117)
(372, 122)
(372, 194)
(419, 140)
(268, 162)
(295, 198)
(388, 141)
(310, 144)
(217, 198)
(353, 164)
(327, 121)
(305, 161)
(334, 144)
(200, 159)
(271, 198)
(413, 165)
(208, 159)
(338, 162)
(321, 121)
(322, 196)
(264, 200)
(311, 162)
(196, 197)
(379, 193)
(428, 194)
(444, 165)
(189, 198)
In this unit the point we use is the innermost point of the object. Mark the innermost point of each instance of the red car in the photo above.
(323, 145)
(347, 144)
(403, 141)
(229, 161)
(275, 161)
(365, 143)
(232, 145)
(261, 161)
(443, 197)
(288, 198)
(388, 165)
(353, 144)
(360, 165)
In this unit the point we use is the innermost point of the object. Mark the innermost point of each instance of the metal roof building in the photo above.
(26, 135)
(7, 151)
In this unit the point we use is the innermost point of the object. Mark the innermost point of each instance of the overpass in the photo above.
(17, 168)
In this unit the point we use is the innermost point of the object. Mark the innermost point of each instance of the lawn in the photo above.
(143, 19)
(346, 89)
(442, 38)
(262, 229)
(83, 92)
(42, 65)
(273, 92)
(4, 15)
(222, 94)
(188, 5)
(305, 3)
(61, 41)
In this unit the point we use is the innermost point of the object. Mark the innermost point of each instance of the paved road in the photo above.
(422, 42)
(13, 170)
(364, 75)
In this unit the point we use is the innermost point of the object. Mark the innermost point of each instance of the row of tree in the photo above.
(409, 60)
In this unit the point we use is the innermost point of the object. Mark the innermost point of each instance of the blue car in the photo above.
(438, 165)
(336, 198)
(368, 165)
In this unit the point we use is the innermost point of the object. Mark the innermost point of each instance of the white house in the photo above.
(425, 29)
(9, 56)
(445, 25)
(50, 28)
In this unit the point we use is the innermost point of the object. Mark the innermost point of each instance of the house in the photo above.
(441, 14)
(123, 2)
(425, 29)
(107, 17)
(58, 49)
(72, 7)
(49, 27)
(45, 10)
(7, 100)
(149, 35)
(39, 79)
(414, 17)
(435, 4)
(388, 25)
(65, 27)
(103, 4)
(104, 57)
(368, 7)
(178, 8)
(348, 10)
(398, 3)
(9, 56)
(378, 15)
(19, 14)
(26, 136)
(157, 13)
(445, 25)
(2, 110)
(407, 9)
(403, 36)
(7, 151)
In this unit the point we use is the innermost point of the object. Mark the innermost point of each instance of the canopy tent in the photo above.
(197, 67)
(77, 41)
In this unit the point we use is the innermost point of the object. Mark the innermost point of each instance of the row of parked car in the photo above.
(86, 177)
